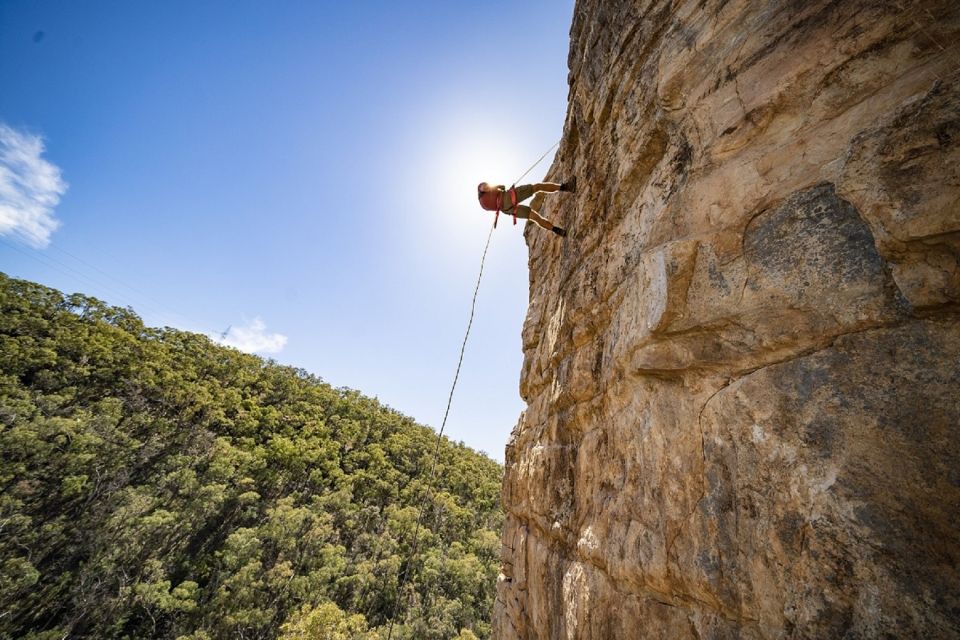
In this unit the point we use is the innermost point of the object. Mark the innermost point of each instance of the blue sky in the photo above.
(301, 171)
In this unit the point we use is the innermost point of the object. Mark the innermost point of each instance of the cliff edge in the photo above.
(742, 367)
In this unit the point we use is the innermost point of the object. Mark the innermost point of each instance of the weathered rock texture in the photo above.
(742, 368)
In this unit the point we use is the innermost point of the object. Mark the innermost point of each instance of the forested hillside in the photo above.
(156, 485)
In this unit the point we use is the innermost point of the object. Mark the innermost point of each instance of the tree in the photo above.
(155, 484)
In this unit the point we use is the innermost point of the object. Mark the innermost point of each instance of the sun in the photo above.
(447, 159)
(474, 156)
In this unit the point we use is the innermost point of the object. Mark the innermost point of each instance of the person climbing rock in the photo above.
(498, 198)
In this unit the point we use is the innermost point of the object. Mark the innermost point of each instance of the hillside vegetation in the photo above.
(156, 485)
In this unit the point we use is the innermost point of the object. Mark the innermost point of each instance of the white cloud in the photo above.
(253, 338)
(30, 188)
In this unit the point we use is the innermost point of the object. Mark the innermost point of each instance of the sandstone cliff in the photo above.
(742, 368)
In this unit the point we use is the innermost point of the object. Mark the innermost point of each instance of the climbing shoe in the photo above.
(560, 231)
(570, 185)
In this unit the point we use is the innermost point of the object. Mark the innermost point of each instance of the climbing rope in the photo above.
(539, 160)
(436, 452)
(446, 413)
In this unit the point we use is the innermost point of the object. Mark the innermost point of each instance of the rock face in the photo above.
(742, 367)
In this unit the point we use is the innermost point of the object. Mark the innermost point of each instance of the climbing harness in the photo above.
(493, 200)
(513, 205)
(456, 377)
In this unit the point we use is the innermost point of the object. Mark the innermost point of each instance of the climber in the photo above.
(498, 198)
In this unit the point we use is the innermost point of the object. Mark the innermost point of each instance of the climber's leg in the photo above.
(526, 213)
(523, 212)
(546, 187)
(538, 190)
(523, 191)
(540, 220)
(546, 224)
(552, 187)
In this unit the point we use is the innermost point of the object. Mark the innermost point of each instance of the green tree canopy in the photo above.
(155, 484)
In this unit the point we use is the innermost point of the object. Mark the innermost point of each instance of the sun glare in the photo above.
(473, 157)
(450, 158)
